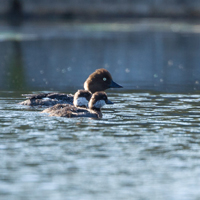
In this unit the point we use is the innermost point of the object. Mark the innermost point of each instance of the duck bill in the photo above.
(109, 102)
(115, 85)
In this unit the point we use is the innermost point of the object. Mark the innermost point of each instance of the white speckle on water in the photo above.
(127, 70)
(63, 71)
(106, 66)
(170, 63)
(69, 69)
(180, 67)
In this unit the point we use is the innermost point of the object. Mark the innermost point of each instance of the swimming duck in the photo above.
(99, 80)
(98, 100)
(81, 99)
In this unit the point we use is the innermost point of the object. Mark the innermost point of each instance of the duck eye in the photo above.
(104, 79)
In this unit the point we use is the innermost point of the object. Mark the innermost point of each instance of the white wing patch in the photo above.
(48, 99)
(81, 101)
(99, 104)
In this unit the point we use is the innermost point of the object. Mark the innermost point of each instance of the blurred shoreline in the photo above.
(17, 11)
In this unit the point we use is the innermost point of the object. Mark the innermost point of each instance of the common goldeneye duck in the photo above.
(97, 101)
(99, 80)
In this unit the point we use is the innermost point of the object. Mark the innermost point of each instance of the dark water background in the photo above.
(144, 54)
(147, 144)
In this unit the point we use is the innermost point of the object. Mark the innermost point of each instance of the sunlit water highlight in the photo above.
(145, 147)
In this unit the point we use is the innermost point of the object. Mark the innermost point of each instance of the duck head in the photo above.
(81, 98)
(98, 100)
(100, 80)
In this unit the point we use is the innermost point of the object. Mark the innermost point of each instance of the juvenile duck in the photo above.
(97, 101)
(80, 99)
(99, 80)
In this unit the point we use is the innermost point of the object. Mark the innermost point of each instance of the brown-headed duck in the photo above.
(99, 80)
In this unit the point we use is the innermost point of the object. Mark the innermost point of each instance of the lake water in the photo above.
(146, 146)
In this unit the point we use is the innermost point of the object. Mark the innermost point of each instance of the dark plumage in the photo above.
(47, 99)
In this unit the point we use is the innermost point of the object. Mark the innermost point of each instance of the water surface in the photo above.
(146, 146)
(160, 55)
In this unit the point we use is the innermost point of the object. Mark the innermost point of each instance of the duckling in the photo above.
(81, 99)
(97, 101)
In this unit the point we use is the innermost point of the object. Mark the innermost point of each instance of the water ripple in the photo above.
(145, 145)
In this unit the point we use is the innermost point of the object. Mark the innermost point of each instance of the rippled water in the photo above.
(145, 147)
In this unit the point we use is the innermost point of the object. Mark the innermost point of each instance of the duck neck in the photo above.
(97, 111)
